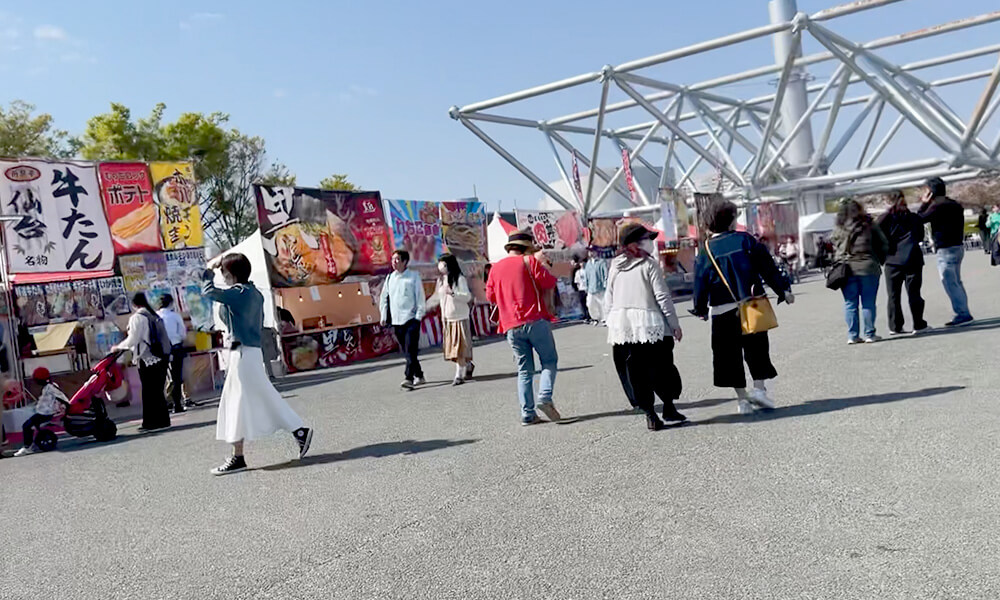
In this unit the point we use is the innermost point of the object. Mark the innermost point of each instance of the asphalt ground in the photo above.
(875, 478)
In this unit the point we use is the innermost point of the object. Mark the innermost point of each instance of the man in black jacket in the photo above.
(947, 219)
(904, 264)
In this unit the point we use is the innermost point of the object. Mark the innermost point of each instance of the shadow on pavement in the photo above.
(815, 407)
(979, 325)
(499, 376)
(74, 444)
(707, 403)
(371, 451)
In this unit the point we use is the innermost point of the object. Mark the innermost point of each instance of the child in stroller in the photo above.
(49, 405)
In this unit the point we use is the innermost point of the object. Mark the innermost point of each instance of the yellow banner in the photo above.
(175, 192)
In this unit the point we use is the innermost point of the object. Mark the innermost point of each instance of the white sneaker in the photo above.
(745, 408)
(24, 452)
(419, 381)
(873, 339)
(759, 397)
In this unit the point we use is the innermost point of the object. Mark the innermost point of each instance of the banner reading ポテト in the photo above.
(176, 194)
(128, 201)
(316, 237)
(62, 226)
(416, 228)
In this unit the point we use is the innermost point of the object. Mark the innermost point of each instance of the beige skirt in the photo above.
(458, 340)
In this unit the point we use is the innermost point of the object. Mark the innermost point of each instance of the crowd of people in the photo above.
(630, 297)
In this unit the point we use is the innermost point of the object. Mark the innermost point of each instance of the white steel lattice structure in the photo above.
(763, 148)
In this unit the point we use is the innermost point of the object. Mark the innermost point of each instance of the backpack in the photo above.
(159, 340)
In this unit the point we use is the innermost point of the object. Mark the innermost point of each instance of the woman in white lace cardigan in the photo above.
(642, 326)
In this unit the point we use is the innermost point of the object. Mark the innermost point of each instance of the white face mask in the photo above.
(648, 246)
(442, 268)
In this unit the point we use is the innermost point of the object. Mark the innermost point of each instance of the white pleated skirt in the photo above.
(250, 407)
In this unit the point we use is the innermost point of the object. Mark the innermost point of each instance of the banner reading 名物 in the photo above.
(133, 216)
(175, 193)
(316, 237)
(62, 226)
(463, 229)
(416, 228)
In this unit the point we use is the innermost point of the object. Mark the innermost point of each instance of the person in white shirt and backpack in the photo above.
(150, 345)
(177, 332)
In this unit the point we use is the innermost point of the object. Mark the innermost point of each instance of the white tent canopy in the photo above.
(817, 222)
(254, 251)
(496, 238)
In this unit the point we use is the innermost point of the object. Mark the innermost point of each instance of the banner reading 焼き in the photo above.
(175, 193)
(62, 226)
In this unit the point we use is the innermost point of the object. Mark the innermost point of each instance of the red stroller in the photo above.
(86, 413)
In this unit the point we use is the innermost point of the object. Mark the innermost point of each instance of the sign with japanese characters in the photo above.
(315, 237)
(337, 347)
(114, 301)
(463, 225)
(32, 307)
(62, 226)
(416, 228)
(133, 216)
(175, 193)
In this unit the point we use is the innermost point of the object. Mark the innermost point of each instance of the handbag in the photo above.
(547, 298)
(840, 271)
(756, 313)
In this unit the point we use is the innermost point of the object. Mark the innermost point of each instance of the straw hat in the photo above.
(520, 239)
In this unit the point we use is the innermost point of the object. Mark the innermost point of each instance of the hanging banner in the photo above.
(553, 229)
(576, 179)
(627, 166)
(133, 216)
(32, 307)
(316, 237)
(177, 196)
(114, 300)
(184, 269)
(87, 295)
(337, 347)
(463, 226)
(63, 227)
(61, 301)
(416, 228)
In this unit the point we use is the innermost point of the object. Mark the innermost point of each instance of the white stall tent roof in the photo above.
(254, 251)
(817, 222)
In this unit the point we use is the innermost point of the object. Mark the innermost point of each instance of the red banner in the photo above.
(127, 193)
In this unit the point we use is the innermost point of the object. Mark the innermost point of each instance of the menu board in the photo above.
(114, 300)
(32, 306)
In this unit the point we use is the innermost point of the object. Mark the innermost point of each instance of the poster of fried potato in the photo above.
(133, 216)
(463, 226)
(177, 197)
(316, 237)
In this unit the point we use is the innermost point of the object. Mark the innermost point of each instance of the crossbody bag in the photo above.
(756, 313)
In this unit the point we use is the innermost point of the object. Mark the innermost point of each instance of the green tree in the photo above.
(278, 175)
(22, 133)
(338, 182)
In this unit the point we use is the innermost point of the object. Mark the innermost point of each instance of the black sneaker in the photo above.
(304, 437)
(189, 402)
(959, 321)
(468, 371)
(233, 464)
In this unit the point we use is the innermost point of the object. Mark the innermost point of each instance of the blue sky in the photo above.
(363, 88)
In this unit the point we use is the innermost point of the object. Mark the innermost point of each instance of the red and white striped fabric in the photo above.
(481, 324)
(431, 331)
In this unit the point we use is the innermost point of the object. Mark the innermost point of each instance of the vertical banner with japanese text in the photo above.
(62, 226)
(177, 196)
(133, 216)
(416, 228)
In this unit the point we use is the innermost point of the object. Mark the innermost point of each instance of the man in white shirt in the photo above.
(177, 332)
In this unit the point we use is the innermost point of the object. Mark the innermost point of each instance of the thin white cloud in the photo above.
(50, 33)
(200, 18)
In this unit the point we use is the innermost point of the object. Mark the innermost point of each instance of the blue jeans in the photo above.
(950, 268)
(865, 288)
(525, 341)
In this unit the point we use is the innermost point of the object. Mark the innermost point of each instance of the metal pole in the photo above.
(606, 75)
(885, 141)
(871, 134)
(515, 163)
(977, 115)
(824, 139)
(852, 129)
(788, 46)
(583, 159)
(779, 98)
(562, 169)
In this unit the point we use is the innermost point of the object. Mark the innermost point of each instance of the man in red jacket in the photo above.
(516, 285)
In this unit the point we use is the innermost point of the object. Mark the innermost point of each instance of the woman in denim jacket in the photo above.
(747, 265)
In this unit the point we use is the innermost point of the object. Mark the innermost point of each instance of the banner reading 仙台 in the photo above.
(62, 226)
